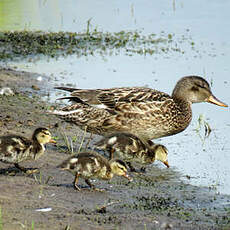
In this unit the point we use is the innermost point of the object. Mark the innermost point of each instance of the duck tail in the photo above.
(66, 88)
(73, 100)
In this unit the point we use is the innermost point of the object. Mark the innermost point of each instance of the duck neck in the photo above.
(184, 113)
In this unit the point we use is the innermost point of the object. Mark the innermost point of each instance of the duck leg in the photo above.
(25, 170)
(76, 181)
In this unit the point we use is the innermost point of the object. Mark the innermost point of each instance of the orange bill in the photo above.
(52, 141)
(214, 100)
(127, 177)
(166, 163)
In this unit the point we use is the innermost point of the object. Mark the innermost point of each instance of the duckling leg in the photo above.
(132, 169)
(27, 171)
(76, 181)
(111, 153)
(87, 181)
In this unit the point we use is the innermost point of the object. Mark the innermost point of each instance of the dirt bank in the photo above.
(157, 199)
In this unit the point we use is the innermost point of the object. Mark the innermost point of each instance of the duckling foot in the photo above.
(99, 190)
(32, 171)
(25, 170)
(76, 187)
(92, 187)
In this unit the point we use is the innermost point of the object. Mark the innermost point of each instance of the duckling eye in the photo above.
(121, 168)
(43, 135)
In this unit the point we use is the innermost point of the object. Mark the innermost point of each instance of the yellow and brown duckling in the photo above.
(145, 112)
(92, 165)
(131, 148)
(15, 149)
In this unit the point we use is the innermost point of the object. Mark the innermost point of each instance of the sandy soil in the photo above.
(157, 199)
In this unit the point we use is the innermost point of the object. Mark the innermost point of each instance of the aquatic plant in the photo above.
(19, 44)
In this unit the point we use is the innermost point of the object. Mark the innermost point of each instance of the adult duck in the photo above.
(144, 112)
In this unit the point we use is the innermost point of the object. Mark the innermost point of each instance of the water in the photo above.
(206, 23)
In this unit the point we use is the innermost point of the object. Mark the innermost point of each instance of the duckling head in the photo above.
(43, 136)
(119, 168)
(161, 154)
(195, 89)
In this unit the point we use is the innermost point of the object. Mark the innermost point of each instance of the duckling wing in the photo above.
(13, 147)
(91, 164)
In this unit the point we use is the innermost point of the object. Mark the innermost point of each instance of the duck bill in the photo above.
(212, 99)
(166, 163)
(127, 177)
(52, 141)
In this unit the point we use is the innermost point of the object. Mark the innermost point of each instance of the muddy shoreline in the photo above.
(158, 199)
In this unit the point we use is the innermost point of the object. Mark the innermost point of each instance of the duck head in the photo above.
(195, 89)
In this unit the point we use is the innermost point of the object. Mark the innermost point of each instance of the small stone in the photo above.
(35, 87)
(6, 91)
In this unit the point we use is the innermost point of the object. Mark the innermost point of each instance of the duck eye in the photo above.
(194, 88)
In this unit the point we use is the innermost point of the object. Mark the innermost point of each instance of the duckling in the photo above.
(92, 165)
(15, 149)
(131, 148)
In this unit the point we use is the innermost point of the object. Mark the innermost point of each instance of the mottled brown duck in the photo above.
(89, 165)
(131, 148)
(144, 112)
(15, 149)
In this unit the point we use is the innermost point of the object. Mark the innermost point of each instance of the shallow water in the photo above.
(205, 23)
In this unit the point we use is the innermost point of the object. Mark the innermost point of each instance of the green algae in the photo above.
(19, 44)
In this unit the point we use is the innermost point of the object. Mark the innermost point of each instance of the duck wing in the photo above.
(111, 98)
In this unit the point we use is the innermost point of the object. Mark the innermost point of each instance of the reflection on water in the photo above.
(205, 162)
(30, 15)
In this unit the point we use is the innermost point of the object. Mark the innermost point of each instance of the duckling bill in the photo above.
(92, 165)
(15, 149)
(131, 148)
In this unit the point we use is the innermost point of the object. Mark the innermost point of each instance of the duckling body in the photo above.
(144, 112)
(92, 165)
(15, 149)
(131, 148)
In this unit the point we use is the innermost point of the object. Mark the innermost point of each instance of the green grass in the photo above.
(32, 225)
(1, 224)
